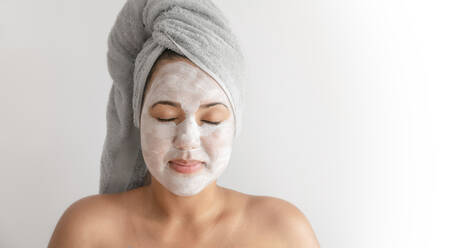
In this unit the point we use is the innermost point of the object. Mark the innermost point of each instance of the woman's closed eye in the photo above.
(163, 120)
(213, 123)
(172, 119)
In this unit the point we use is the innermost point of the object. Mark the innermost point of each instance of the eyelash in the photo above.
(208, 122)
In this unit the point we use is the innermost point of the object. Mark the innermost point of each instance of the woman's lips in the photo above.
(185, 166)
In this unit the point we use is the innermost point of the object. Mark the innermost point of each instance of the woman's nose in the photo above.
(187, 137)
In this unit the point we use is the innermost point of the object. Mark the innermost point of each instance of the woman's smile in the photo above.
(185, 167)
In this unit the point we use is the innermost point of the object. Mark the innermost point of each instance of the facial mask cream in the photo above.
(183, 83)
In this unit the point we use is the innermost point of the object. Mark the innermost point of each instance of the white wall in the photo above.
(348, 114)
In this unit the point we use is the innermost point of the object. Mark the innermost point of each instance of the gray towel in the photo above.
(143, 29)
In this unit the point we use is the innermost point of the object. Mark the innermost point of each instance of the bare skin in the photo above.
(151, 216)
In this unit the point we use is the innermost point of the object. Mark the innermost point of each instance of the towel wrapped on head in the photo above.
(143, 29)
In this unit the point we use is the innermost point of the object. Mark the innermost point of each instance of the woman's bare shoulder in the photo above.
(282, 219)
(85, 220)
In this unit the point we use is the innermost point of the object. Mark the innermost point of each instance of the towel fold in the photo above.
(143, 29)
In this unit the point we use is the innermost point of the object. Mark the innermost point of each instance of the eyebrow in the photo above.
(212, 104)
(166, 103)
(207, 105)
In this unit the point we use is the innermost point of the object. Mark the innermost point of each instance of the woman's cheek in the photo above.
(156, 140)
(162, 130)
(216, 142)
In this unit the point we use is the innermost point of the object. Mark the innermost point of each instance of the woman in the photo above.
(185, 111)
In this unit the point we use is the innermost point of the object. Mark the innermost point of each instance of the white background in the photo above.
(348, 114)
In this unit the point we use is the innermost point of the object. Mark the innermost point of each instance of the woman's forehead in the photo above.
(179, 66)
(181, 79)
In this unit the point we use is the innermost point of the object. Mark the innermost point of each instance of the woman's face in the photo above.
(185, 116)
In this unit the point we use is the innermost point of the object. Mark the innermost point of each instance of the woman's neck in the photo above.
(205, 206)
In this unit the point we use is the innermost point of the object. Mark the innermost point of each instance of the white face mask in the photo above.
(181, 82)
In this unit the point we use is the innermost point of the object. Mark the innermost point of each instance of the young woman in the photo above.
(187, 122)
